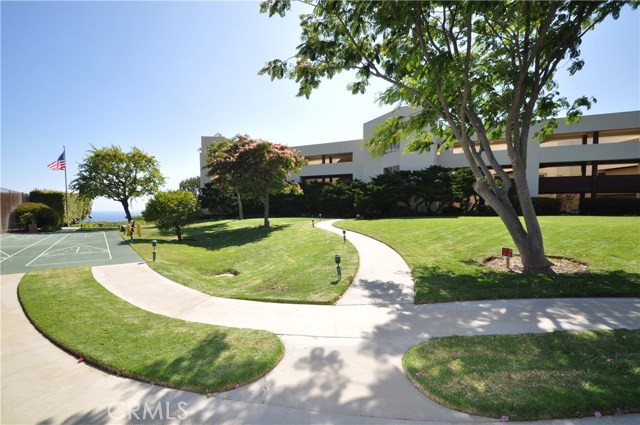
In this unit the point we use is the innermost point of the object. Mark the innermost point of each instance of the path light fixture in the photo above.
(338, 269)
(320, 217)
(153, 244)
(313, 223)
(344, 236)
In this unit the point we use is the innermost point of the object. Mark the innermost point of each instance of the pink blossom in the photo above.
(597, 414)
(504, 418)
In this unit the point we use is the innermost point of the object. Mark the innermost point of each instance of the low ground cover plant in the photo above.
(81, 316)
(447, 256)
(531, 377)
(291, 262)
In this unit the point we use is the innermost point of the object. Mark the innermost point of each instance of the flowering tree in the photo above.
(254, 166)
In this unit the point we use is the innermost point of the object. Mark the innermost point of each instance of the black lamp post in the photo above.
(338, 269)
(153, 244)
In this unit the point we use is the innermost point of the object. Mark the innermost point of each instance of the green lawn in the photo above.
(292, 262)
(531, 377)
(81, 316)
(446, 256)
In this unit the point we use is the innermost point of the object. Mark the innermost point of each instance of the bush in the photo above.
(610, 206)
(44, 216)
(172, 210)
(50, 198)
(546, 206)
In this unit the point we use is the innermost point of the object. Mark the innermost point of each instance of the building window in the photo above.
(332, 158)
(333, 179)
(391, 170)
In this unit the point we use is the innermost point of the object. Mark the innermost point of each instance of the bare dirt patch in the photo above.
(560, 265)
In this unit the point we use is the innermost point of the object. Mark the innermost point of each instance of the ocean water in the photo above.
(110, 215)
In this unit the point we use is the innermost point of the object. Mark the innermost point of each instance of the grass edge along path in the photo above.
(292, 262)
(446, 256)
(83, 318)
(531, 376)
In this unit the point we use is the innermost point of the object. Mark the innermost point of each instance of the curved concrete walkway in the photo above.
(342, 363)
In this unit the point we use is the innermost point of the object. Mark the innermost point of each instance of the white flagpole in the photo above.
(66, 193)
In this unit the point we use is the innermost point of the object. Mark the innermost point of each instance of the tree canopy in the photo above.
(121, 176)
(474, 72)
(254, 166)
(172, 210)
(192, 184)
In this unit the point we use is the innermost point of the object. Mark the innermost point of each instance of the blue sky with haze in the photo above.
(158, 75)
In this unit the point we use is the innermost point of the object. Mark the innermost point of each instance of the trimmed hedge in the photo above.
(610, 206)
(52, 199)
(45, 216)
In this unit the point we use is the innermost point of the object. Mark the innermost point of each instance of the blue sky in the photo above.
(158, 75)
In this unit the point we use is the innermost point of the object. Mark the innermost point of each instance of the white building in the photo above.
(600, 155)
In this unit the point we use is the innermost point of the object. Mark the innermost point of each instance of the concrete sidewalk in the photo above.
(342, 363)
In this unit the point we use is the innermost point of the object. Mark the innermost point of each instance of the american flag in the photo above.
(60, 164)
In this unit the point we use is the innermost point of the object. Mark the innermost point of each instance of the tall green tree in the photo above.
(192, 184)
(121, 176)
(474, 71)
(255, 166)
(172, 210)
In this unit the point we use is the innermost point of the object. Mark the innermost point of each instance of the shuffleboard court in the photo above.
(21, 253)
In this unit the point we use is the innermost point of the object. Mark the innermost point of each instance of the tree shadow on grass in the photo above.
(434, 284)
(219, 235)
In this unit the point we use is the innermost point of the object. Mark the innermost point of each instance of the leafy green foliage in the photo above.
(51, 198)
(473, 71)
(192, 184)
(79, 207)
(117, 175)
(43, 215)
(172, 210)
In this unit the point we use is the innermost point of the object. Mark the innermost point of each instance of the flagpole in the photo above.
(66, 193)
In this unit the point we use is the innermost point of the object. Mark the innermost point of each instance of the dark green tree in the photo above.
(192, 184)
(474, 71)
(172, 210)
(121, 176)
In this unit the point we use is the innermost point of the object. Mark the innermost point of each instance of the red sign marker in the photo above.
(507, 252)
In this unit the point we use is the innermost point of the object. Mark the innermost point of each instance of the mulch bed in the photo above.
(560, 265)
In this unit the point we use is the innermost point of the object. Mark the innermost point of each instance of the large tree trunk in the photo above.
(179, 233)
(125, 205)
(528, 241)
(265, 201)
(240, 211)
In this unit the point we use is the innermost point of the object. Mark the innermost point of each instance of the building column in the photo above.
(583, 166)
(594, 168)
(533, 167)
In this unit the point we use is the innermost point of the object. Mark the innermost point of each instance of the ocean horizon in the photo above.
(114, 216)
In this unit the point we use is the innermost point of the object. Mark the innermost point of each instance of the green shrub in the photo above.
(546, 206)
(44, 216)
(610, 206)
(52, 199)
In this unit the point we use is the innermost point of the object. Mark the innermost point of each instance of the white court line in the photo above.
(58, 241)
(68, 262)
(107, 242)
(16, 253)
